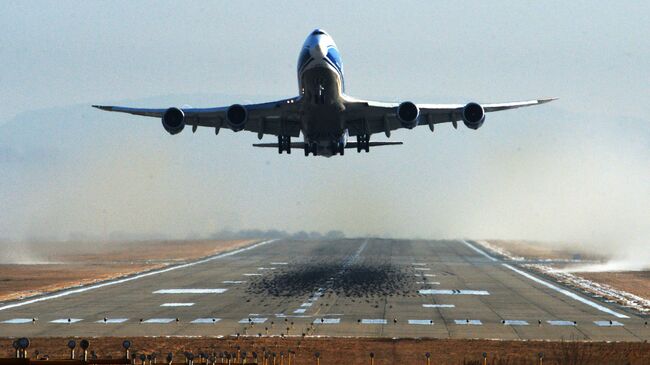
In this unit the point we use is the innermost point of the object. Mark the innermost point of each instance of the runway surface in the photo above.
(352, 287)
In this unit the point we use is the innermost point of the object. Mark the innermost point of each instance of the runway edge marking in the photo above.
(549, 285)
(131, 278)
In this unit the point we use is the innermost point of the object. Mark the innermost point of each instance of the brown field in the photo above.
(557, 251)
(635, 282)
(74, 264)
(354, 351)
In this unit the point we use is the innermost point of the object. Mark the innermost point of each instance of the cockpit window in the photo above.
(303, 58)
(317, 32)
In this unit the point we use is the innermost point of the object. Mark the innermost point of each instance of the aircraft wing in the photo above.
(276, 118)
(368, 117)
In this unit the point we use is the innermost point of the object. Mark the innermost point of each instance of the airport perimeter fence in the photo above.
(236, 357)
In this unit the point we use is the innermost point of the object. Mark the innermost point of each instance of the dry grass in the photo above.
(75, 264)
(355, 351)
(635, 282)
(554, 251)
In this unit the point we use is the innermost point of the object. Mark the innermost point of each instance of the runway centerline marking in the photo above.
(561, 323)
(566, 292)
(373, 321)
(608, 323)
(515, 322)
(136, 277)
(190, 291)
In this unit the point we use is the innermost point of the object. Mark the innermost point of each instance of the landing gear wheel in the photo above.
(284, 144)
(363, 143)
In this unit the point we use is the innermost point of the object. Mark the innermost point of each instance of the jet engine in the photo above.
(173, 120)
(236, 115)
(408, 114)
(473, 115)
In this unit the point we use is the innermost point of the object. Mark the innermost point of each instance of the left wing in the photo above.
(277, 117)
(368, 117)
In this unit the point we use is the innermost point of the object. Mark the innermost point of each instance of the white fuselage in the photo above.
(321, 87)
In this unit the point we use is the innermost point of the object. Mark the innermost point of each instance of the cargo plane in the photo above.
(325, 116)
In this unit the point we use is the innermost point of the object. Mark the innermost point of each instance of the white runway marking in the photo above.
(373, 321)
(438, 305)
(265, 268)
(421, 268)
(300, 311)
(206, 320)
(67, 320)
(131, 278)
(17, 321)
(279, 263)
(190, 291)
(159, 320)
(561, 323)
(327, 321)
(568, 293)
(256, 320)
(428, 282)
(608, 323)
(306, 304)
(112, 320)
(427, 322)
(453, 292)
(469, 322)
(515, 322)
(233, 281)
(177, 304)
(252, 274)
(419, 264)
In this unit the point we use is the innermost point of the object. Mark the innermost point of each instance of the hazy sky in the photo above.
(576, 169)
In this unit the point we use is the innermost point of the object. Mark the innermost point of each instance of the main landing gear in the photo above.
(284, 144)
(363, 143)
(311, 148)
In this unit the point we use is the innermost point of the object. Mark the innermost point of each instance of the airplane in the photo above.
(322, 112)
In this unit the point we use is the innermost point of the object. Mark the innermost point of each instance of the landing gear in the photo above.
(363, 143)
(284, 144)
(311, 148)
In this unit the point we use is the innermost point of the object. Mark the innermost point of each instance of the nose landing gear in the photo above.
(363, 143)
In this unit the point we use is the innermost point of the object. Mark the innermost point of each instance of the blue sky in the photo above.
(576, 169)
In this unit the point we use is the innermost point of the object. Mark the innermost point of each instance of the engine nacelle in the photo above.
(173, 120)
(237, 116)
(473, 115)
(408, 114)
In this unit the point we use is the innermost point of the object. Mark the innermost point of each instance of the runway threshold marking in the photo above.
(428, 322)
(373, 321)
(206, 320)
(18, 321)
(136, 277)
(255, 320)
(515, 322)
(608, 323)
(561, 323)
(67, 320)
(159, 320)
(327, 321)
(112, 320)
(438, 305)
(177, 304)
(190, 291)
(469, 322)
(452, 292)
(568, 293)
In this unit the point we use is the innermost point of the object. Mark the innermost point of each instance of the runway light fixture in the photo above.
(71, 345)
(126, 344)
(428, 357)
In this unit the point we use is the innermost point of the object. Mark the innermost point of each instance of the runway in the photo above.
(350, 287)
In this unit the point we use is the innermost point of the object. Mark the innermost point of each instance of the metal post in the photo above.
(372, 358)
(485, 358)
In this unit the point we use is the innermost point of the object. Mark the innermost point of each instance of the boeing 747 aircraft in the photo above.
(322, 112)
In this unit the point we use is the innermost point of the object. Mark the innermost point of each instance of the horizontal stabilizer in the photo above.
(301, 145)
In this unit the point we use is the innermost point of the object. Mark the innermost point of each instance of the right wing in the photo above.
(277, 117)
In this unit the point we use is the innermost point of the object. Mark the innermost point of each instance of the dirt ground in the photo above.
(64, 265)
(355, 351)
(554, 251)
(635, 282)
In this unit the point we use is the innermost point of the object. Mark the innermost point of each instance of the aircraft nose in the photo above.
(318, 51)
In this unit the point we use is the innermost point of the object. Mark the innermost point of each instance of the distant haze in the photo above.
(574, 170)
